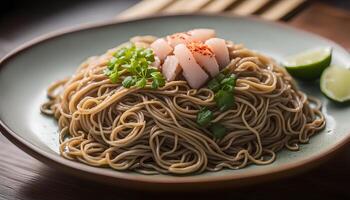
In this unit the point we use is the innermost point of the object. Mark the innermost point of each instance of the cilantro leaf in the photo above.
(128, 82)
(114, 76)
(158, 80)
(136, 63)
(141, 83)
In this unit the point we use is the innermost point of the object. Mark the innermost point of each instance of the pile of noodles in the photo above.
(155, 131)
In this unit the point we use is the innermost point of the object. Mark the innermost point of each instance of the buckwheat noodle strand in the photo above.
(155, 131)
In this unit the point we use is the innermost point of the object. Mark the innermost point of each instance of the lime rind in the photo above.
(335, 83)
(310, 64)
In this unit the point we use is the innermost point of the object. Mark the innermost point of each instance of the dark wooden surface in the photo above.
(22, 177)
(330, 22)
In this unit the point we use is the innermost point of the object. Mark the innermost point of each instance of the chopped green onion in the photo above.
(214, 85)
(229, 81)
(223, 87)
(228, 88)
(224, 100)
(220, 77)
(218, 130)
(204, 116)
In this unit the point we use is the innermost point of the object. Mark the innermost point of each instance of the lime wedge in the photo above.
(309, 65)
(335, 83)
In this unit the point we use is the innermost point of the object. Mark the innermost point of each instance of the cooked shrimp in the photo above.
(201, 34)
(161, 48)
(156, 62)
(171, 68)
(178, 38)
(218, 46)
(192, 72)
(205, 57)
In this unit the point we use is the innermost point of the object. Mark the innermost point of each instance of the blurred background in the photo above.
(22, 20)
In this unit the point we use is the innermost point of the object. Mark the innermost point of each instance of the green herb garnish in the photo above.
(218, 130)
(128, 81)
(204, 116)
(223, 87)
(136, 62)
(214, 85)
(224, 99)
(158, 79)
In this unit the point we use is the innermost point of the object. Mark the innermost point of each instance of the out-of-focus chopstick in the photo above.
(186, 6)
(218, 6)
(249, 7)
(144, 7)
(281, 9)
(267, 9)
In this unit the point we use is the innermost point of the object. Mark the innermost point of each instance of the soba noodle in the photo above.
(155, 131)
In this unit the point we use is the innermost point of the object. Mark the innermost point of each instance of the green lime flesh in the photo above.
(335, 83)
(309, 65)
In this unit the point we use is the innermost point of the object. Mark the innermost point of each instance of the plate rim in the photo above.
(126, 178)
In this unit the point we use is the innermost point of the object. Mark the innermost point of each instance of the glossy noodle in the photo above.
(155, 131)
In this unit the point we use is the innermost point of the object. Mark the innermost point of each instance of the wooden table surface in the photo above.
(23, 177)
